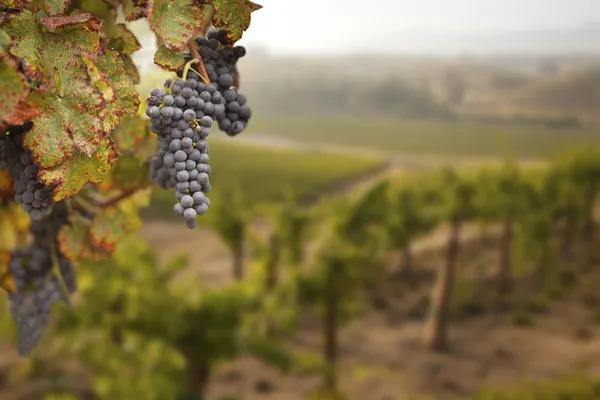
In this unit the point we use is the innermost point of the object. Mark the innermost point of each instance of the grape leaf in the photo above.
(15, 3)
(61, 24)
(73, 108)
(134, 9)
(4, 41)
(131, 69)
(52, 7)
(123, 40)
(233, 15)
(132, 204)
(132, 137)
(125, 100)
(13, 86)
(14, 226)
(70, 122)
(127, 173)
(169, 59)
(46, 47)
(112, 3)
(110, 227)
(74, 241)
(175, 22)
(68, 178)
(105, 12)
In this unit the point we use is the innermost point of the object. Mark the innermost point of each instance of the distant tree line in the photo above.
(320, 95)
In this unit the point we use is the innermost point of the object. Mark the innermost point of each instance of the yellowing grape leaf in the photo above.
(13, 86)
(52, 7)
(73, 109)
(169, 59)
(125, 100)
(68, 178)
(15, 3)
(109, 227)
(132, 204)
(14, 226)
(175, 22)
(75, 244)
(234, 16)
(70, 122)
(134, 9)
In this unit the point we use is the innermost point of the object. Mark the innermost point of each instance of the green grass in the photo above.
(264, 174)
(427, 137)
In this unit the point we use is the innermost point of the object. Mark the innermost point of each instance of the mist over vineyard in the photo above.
(401, 224)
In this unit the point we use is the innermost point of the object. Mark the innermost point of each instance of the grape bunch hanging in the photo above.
(41, 275)
(182, 114)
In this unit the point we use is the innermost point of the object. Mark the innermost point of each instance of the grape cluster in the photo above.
(220, 61)
(4, 134)
(37, 286)
(34, 197)
(182, 115)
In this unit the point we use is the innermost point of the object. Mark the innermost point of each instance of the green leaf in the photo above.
(52, 7)
(110, 227)
(4, 41)
(234, 16)
(169, 59)
(13, 87)
(125, 99)
(69, 177)
(127, 173)
(133, 137)
(131, 69)
(136, 145)
(175, 22)
(123, 40)
(134, 9)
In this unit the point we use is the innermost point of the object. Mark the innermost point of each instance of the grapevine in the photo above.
(75, 157)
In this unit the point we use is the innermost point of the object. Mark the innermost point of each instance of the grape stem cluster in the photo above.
(197, 58)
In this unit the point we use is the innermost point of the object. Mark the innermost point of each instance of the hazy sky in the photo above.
(318, 26)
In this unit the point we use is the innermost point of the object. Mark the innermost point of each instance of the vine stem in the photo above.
(83, 205)
(111, 202)
(58, 275)
(197, 56)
